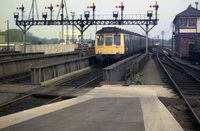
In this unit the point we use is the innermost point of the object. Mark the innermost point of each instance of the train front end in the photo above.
(109, 46)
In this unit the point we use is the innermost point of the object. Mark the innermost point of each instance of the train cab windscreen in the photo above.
(108, 40)
(100, 40)
(117, 40)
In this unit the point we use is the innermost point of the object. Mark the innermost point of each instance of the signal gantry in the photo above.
(82, 24)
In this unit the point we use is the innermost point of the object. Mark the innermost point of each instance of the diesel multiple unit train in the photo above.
(114, 43)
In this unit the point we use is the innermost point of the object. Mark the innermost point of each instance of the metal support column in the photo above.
(94, 11)
(172, 42)
(122, 9)
(67, 35)
(24, 44)
(33, 10)
(82, 40)
(147, 31)
(163, 38)
(62, 35)
(73, 14)
(51, 10)
(82, 29)
(62, 6)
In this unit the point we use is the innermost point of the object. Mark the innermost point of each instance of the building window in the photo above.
(100, 40)
(108, 40)
(187, 23)
(117, 40)
(183, 22)
(192, 22)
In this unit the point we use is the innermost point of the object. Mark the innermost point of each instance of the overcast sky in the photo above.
(167, 11)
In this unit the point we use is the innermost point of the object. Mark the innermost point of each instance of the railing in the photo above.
(97, 17)
(129, 75)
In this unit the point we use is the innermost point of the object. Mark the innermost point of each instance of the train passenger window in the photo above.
(100, 40)
(108, 40)
(117, 40)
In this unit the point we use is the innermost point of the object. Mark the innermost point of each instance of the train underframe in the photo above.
(111, 58)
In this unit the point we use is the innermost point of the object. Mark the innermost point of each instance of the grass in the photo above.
(136, 78)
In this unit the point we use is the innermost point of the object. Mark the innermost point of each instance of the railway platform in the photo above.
(150, 74)
(110, 107)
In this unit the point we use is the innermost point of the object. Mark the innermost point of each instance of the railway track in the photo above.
(40, 96)
(192, 70)
(187, 85)
(23, 77)
(195, 71)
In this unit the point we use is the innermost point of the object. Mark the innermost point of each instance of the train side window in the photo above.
(100, 40)
(117, 40)
(108, 40)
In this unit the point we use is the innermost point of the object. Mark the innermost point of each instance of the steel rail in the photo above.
(23, 97)
(18, 99)
(171, 65)
(78, 77)
(74, 89)
(176, 86)
(22, 78)
(187, 72)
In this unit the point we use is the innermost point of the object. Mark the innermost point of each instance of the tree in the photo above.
(16, 35)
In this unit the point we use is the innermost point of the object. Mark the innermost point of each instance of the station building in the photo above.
(187, 30)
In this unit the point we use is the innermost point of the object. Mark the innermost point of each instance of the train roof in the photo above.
(115, 30)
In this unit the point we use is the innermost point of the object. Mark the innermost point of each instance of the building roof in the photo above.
(115, 30)
(189, 12)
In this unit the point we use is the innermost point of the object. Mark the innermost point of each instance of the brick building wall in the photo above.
(183, 42)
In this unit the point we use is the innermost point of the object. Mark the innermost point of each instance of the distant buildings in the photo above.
(187, 30)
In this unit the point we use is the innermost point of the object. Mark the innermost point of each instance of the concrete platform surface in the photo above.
(105, 108)
(150, 74)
